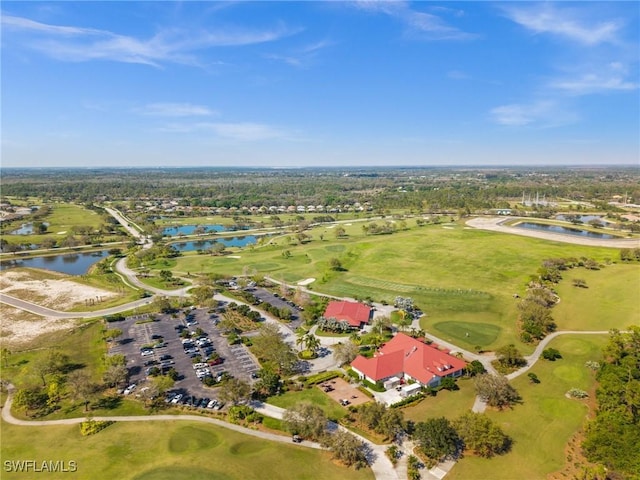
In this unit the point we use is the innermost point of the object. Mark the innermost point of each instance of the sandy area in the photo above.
(306, 282)
(18, 327)
(56, 293)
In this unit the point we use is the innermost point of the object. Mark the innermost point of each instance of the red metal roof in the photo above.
(404, 354)
(354, 313)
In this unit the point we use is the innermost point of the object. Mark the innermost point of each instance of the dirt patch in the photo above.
(18, 327)
(341, 390)
(53, 292)
(48, 289)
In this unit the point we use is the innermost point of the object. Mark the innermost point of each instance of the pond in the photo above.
(69, 263)
(189, 229)
(242, 241)
(565, 230)
(25, 229)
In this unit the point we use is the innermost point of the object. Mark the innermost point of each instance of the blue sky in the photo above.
(287, 84)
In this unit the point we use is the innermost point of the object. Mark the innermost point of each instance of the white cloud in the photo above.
(566, 22)
(174, 110)
(594, 83)
(240, 131)
(301, 57)
(78, 44)
(424, 25)
(540, 114)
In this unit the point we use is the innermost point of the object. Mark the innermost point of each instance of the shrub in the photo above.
(577, 393)
(91, 427)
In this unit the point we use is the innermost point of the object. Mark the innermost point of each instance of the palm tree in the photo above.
(311, 342)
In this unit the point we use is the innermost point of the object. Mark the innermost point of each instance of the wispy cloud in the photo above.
(544, 114)
(79, 44)
(457, 75)
(174, 110)
(594, 83)
(301, 57)
(568, 22)
(612, 77)
(240, 131)
(421, 24)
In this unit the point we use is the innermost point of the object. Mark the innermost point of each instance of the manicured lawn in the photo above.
(463, 276)
(445, 404)
(311, 395)
(545, 421)
(171, 450)
(470, 333)
(610, 301)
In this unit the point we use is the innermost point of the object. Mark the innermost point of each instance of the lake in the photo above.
(564, 230)
(25, 229)
(189, 229)
(70, 263)
(242, 241)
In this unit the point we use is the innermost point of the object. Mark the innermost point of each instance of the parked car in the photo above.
(177, 398)
(129, 389)
(146, 352)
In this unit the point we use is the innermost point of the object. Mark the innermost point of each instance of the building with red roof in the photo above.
(354, 313)
(410, 359)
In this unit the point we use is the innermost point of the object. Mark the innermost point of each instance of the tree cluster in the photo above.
(613, 437)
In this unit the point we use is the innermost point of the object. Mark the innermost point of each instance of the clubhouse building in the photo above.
(404, 359)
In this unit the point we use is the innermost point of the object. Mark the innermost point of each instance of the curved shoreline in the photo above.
(494, 224)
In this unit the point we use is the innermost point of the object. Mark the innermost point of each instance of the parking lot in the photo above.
(277, 301)
(169, 351)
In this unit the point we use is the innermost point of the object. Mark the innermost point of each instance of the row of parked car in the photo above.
(181, 399)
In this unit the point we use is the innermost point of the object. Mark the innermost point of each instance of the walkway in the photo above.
(9, 418)
(47, 312)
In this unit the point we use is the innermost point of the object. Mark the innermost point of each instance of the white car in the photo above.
(146, 352)
(177, 398)
(129, 389)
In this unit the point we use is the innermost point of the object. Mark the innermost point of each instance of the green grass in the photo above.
(85, 348)
(468, 333)
(445, 404)
(312, 395)
(62, 218)
(610, 301)
(458, 275)
(171, 450)
(545, 421)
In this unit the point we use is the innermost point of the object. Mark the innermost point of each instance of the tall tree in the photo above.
(345, 352)
(496, 390)
(347, 448)
(235, 391)
(437, 438)
(306, 420)
(480, 434)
